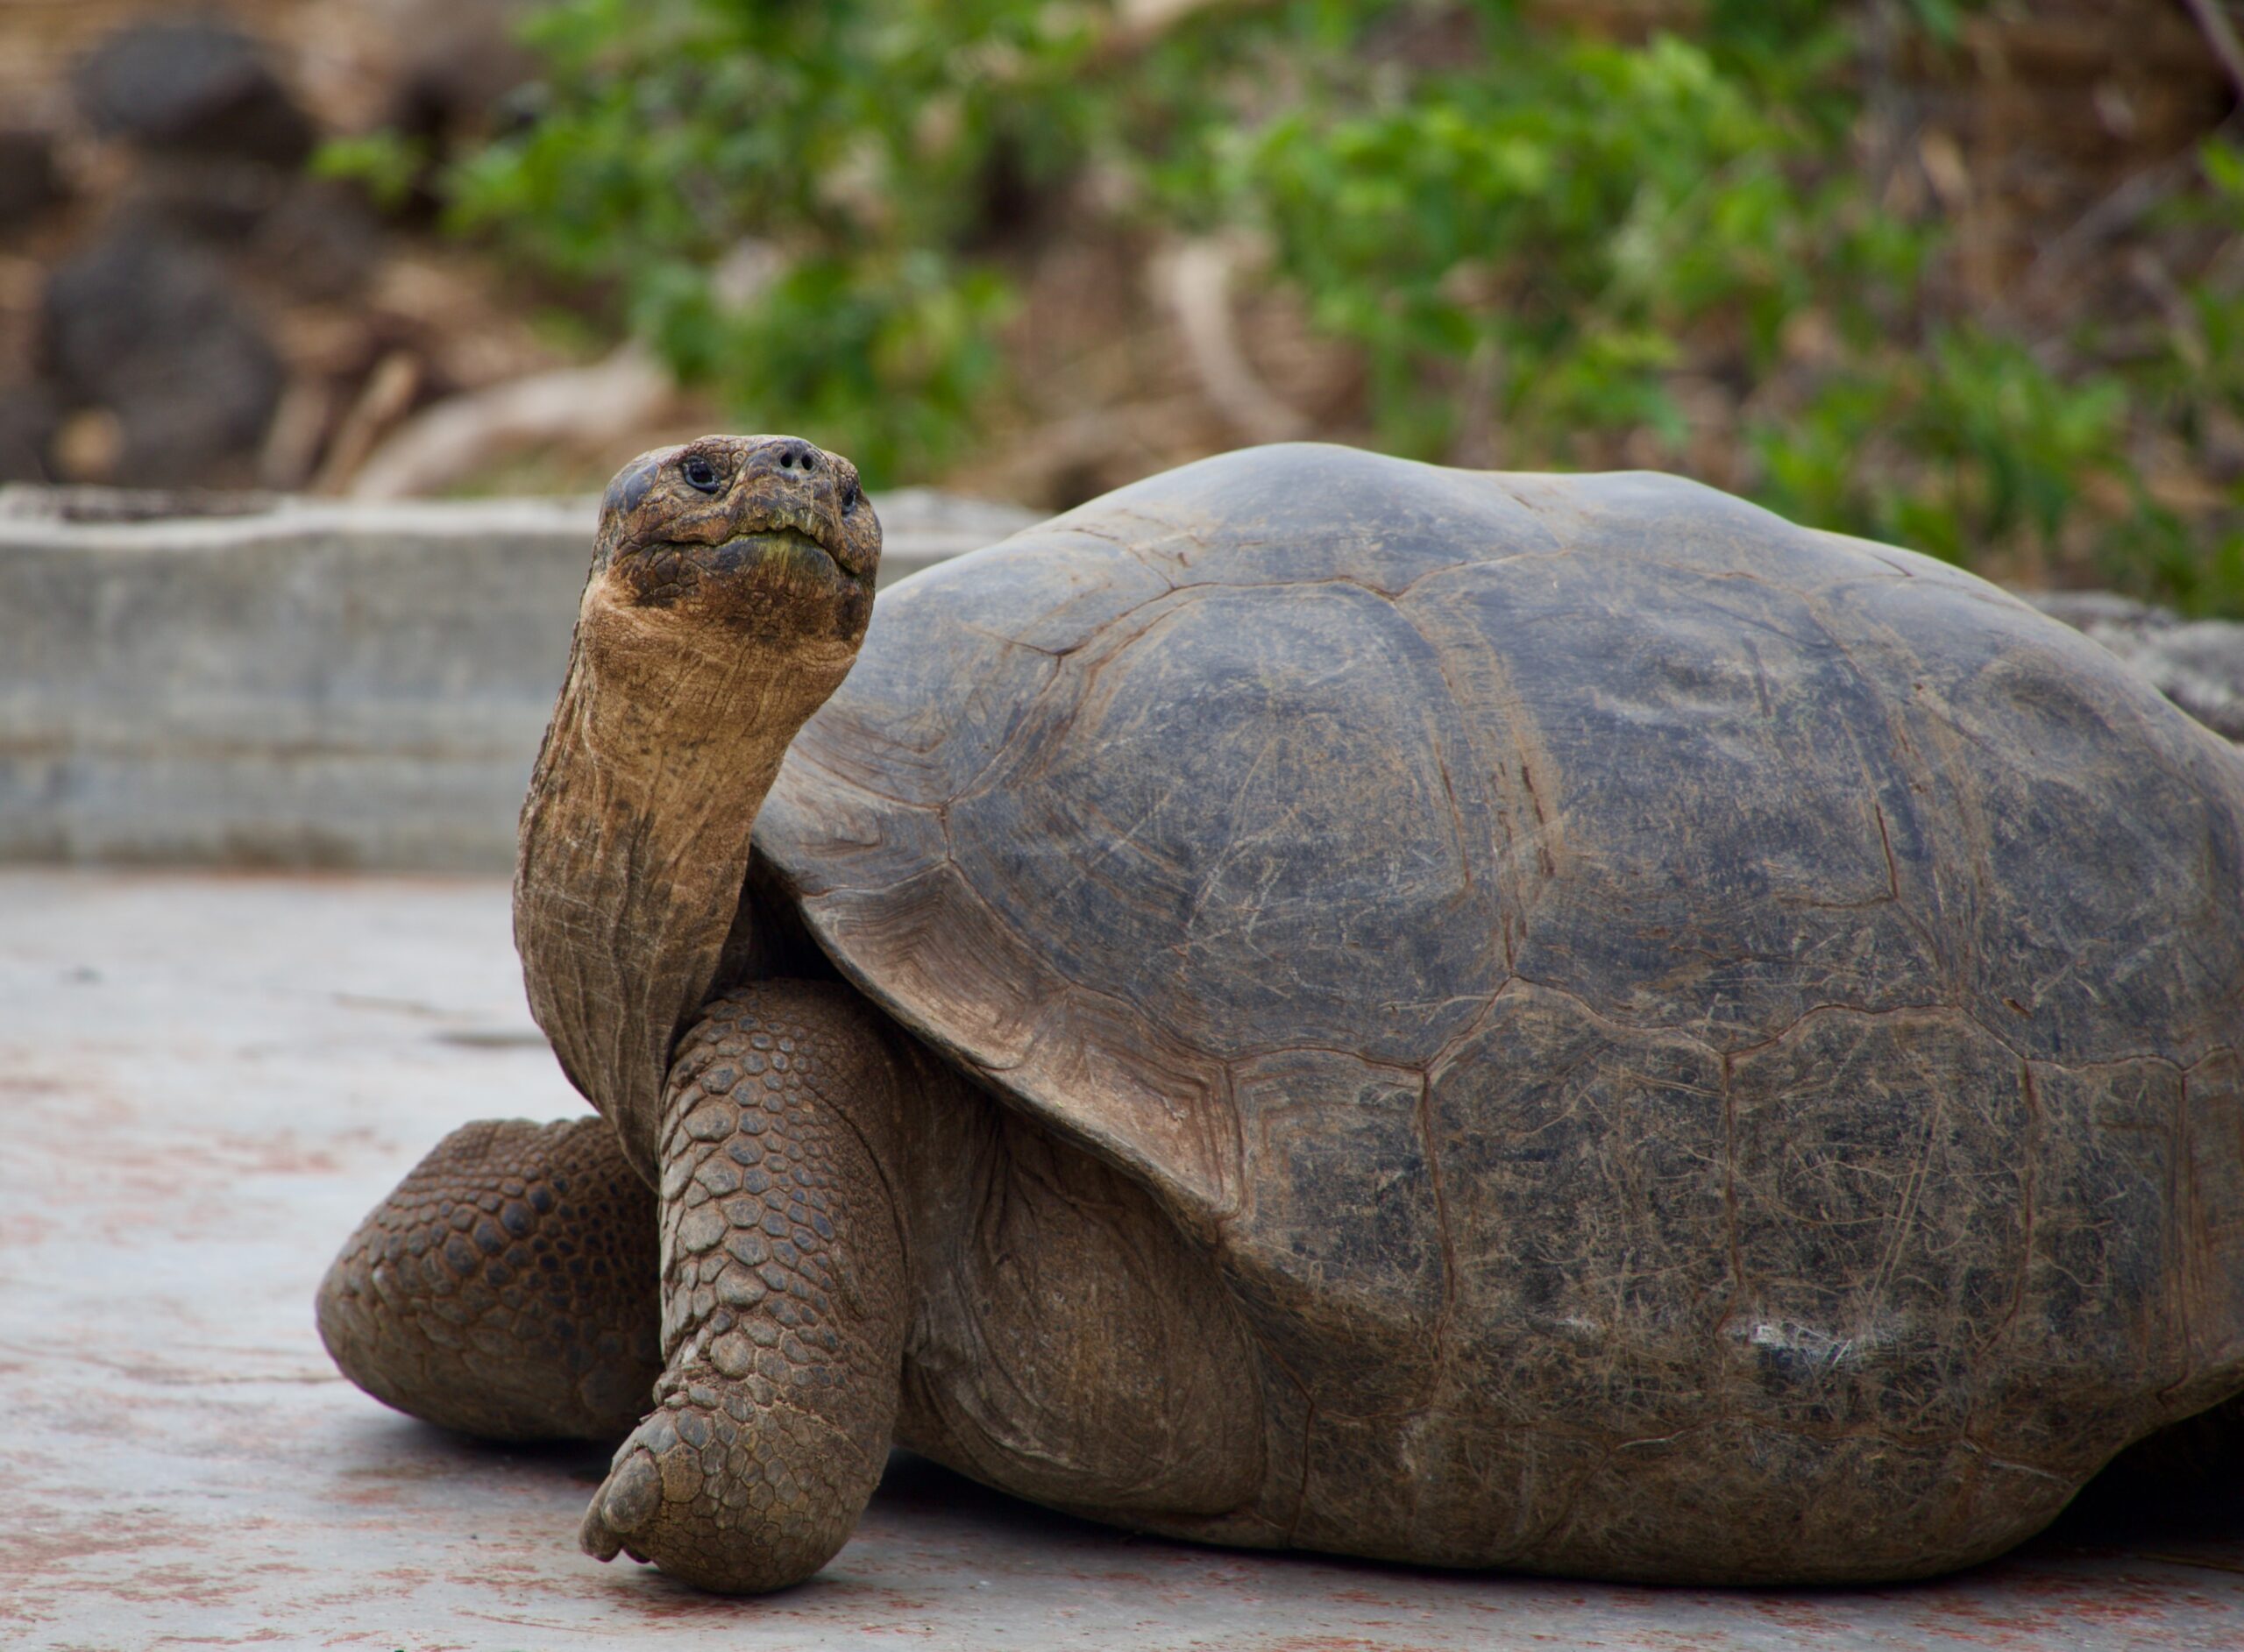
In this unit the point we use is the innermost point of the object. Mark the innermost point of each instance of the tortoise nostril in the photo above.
(798, 455)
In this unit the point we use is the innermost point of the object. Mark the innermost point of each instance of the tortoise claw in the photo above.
(594, 1537)
(630, 1497)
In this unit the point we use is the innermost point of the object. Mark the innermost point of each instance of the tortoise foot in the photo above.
(508, 1289)
(716, 1502)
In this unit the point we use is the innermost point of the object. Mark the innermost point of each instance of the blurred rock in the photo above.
(461, 64)
(200, 86)
(2196, 664)
(28, 418)
(149, 328)
(321, 240)
(455, 76)
(220, 199)
(312, 238)
(29, 183)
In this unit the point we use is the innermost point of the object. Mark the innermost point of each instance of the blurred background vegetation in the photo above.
(1962, 274)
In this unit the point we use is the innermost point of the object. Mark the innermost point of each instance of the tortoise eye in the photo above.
(849, 496)
(699, 474)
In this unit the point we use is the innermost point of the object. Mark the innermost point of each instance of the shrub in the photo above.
(1536, 243)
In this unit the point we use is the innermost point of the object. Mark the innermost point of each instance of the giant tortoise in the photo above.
(1557, 1023)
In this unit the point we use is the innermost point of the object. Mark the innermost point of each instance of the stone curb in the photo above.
(244, 680)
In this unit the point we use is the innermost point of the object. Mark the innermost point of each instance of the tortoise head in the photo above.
(731, 583)
(764, 537)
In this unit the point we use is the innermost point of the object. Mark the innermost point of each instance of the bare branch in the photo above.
(1195, 280)
(587, 405)
(2221, 34)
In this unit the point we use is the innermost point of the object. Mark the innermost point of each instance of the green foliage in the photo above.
(1548, 251)
(848, 138)
(386, 164)
(2003, 448)
(1568, 220)
(2193, 390)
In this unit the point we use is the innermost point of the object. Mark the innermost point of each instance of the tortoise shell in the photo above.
(1636, 996)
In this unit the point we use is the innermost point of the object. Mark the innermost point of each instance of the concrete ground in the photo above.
(205, 1083)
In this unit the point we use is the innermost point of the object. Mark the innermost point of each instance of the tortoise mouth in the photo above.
(772, 556)
(786, 521)
(732, 554)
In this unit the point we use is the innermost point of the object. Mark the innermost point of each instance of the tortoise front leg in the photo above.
(508, 1289)
(783, 1296)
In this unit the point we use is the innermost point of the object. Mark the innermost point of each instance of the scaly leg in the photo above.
(508, 1289)
(784, 1295)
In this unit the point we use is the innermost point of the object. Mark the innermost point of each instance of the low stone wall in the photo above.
(2196, 664)
(249, 681)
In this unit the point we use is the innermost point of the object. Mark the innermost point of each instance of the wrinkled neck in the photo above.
(634, 843)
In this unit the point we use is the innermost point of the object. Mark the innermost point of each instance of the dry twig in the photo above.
(587, 406)
(1195, 280)
(2221, 34)
(388, 393)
